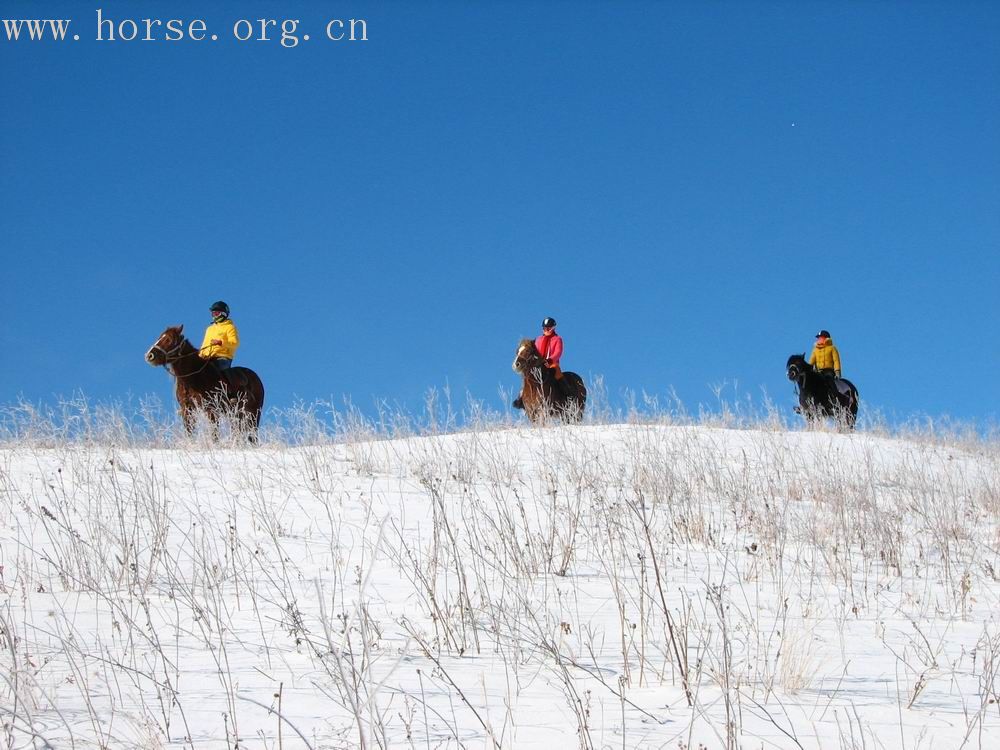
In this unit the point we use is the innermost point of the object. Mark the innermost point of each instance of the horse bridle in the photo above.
(167, 354)
(169, 358)
(526, 367)
(798, 375)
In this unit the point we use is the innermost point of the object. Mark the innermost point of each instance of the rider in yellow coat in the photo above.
(221, 337)
(825, 357)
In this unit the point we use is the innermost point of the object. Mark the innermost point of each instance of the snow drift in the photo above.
(615, 586)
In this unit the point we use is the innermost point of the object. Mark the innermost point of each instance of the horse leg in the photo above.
(213, 418)
(546, 409)
(805, 411)
(569, 409)
(574, 412)
(253, 426)
(844, 411)
(189, 417)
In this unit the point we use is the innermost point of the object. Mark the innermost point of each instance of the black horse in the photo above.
(819, 396)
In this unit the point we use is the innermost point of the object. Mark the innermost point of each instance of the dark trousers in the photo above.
(839, 385)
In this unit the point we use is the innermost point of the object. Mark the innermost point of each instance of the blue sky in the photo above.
(691, 189)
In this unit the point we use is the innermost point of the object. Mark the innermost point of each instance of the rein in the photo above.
(167, 353)
(799, 377)
(170, 358)
(537, 372)
(173, 370)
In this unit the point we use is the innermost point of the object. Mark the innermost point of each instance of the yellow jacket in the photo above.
(825, 356)
(225, 332)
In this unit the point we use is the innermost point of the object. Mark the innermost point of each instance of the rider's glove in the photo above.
(838, 373)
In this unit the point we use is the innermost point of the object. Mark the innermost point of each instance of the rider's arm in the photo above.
(206, 344)
(234, 337)
(555, 350)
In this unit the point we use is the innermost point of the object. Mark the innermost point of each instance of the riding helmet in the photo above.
(549, 323)
(823, 334)
(219, 306)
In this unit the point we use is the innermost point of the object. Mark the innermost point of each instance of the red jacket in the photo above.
(550, 347)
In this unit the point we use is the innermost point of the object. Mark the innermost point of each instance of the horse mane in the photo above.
(532, 354)
(182, 341)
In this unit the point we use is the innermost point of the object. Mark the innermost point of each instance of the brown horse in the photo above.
(202, 387)
(540, 394)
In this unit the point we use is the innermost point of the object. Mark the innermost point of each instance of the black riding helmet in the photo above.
(549, 323)
(221, 307)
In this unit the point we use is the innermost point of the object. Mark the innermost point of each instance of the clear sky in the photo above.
(691, 189)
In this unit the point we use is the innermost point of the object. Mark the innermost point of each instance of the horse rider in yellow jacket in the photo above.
(825, 357)
(221, 337)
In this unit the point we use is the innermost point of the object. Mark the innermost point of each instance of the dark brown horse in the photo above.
(540, 394)
(202, 387)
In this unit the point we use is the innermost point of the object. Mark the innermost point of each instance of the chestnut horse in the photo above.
(540, 394)
(819, 396)
(202, 387)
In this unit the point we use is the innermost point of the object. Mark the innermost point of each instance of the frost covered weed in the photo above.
(147, 422)
(648, 579)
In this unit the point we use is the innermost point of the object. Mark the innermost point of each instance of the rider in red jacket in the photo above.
(550, 346)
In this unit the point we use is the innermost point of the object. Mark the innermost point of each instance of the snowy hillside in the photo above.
(622, 587)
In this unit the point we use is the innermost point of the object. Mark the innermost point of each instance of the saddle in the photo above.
(238, 378)
(569, 385)
(235, 378)
(843, 386)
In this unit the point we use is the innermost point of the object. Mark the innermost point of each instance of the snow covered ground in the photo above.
(615, 586)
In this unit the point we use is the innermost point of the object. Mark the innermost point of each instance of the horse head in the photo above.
(797, 367)
(527, 357)
(165, 348)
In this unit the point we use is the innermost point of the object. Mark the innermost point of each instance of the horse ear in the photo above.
(180, 328)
